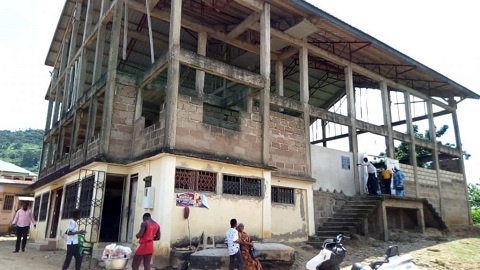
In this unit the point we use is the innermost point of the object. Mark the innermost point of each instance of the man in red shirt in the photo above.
(149, 232)
(22, 219)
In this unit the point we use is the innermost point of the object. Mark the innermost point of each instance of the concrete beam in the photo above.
(243, 26)
(220, 69)
(150, 74)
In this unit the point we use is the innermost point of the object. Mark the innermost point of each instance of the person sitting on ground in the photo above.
(246, 247)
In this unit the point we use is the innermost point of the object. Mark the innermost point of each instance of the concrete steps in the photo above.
(44, 244)
(346, 220)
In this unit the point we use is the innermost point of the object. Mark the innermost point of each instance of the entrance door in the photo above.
(112, 209)
(131, 206)
(55, 210)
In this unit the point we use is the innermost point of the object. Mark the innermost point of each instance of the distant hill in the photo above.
(22, 148)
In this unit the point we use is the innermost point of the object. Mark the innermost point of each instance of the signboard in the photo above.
(191, 199)
(345, 163)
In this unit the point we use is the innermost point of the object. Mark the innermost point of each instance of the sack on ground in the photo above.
(114, 251)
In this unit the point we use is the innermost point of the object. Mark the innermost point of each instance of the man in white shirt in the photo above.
(22, 220)
(372, 182)
(73, 250)
(231, 238)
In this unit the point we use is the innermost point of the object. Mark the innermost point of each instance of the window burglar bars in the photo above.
(36, 207)
(8, 202)
(283, 195)
(242, 186)
(44, 206)
(195, 180)
(70, 203)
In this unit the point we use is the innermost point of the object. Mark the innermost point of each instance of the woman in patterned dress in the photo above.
(245, 246)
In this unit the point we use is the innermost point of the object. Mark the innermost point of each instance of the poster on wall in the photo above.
(192, 199)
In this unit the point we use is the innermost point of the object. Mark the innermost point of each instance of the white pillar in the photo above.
(267, 205)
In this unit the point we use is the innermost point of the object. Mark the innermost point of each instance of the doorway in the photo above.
(56, 202)
(112, 209)
(131, 206)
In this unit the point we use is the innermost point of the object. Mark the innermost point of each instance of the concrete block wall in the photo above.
(454, 198)
(78, 157)
(122, 120)
(217, 137)
(146, 139)
(287, 144)
(93, 148)
(325, 204)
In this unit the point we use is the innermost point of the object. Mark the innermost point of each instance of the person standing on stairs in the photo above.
(372, 182)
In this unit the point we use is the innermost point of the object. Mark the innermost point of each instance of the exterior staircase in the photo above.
(347, 219)
(44, 244)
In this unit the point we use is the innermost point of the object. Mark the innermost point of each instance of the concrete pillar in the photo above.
(82, 65)
(75, 129)
(111, 76)
(56, 112)
(435, 163)
(324, 133)
(139, 103)
(352, 130)
(49, 114)
(458, 142)
(304, 97)
(64, 59)
(173, 79)
(411, 133)
(279, 78)
(200, 75)
(265, 72)
(73, 39)
(99, 48)
(387, 120)
(311, 211)
(267, 205)
(165, 200)
(92, 116)
(65, 93)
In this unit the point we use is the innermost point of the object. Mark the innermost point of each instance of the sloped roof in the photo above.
(9, 167)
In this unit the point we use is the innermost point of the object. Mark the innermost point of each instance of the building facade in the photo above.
(150, 103)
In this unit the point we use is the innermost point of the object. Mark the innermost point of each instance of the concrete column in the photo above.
(99, 48)
(139, 103)
(265, 72)
(164, 178)
(200, 75)
(352, 130)
(411, 133)
(267, 205)
(58, 98)
(82, 65)
(49, 114)
(111, 76)
(65, 93)
(387, 119)
(311, 211)
(61, 142)
(304, 97)
(458, 142)
(75, 128)
(279, 78)
(42, 156)
(173, 79)
(435, 163)
(324, 133)
(88, 20)
(73, 39)
(92, 117)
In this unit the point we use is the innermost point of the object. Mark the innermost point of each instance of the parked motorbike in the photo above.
(331, 255)
(392, 261)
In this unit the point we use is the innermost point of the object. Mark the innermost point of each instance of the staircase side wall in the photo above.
(454, 196)
(325, 204)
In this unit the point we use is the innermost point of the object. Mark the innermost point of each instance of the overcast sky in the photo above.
(440, 34)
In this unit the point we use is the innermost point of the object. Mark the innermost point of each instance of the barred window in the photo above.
(283, 195)
(86, 195)
(8, 202)
(242, 186)
(70, 203)
(195, 180)
(36, 207)
(44, 206)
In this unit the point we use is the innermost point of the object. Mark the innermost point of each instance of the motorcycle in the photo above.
(392, 261)
(331, 255)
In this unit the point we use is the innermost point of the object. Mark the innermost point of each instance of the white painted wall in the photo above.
(327, 170)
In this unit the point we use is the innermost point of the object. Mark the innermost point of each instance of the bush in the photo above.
(476, 216)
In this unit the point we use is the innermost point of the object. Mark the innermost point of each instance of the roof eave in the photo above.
(315, 10)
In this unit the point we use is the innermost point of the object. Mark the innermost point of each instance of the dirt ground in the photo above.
(457, 250)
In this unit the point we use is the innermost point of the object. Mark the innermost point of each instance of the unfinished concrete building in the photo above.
(219, 98)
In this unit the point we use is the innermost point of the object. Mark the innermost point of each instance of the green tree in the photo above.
(474, 199)
(402, 152)
(22, 147)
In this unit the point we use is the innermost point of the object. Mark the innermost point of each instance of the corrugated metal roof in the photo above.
(12, 168)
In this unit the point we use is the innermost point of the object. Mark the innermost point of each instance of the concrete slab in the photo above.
(218, 258)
